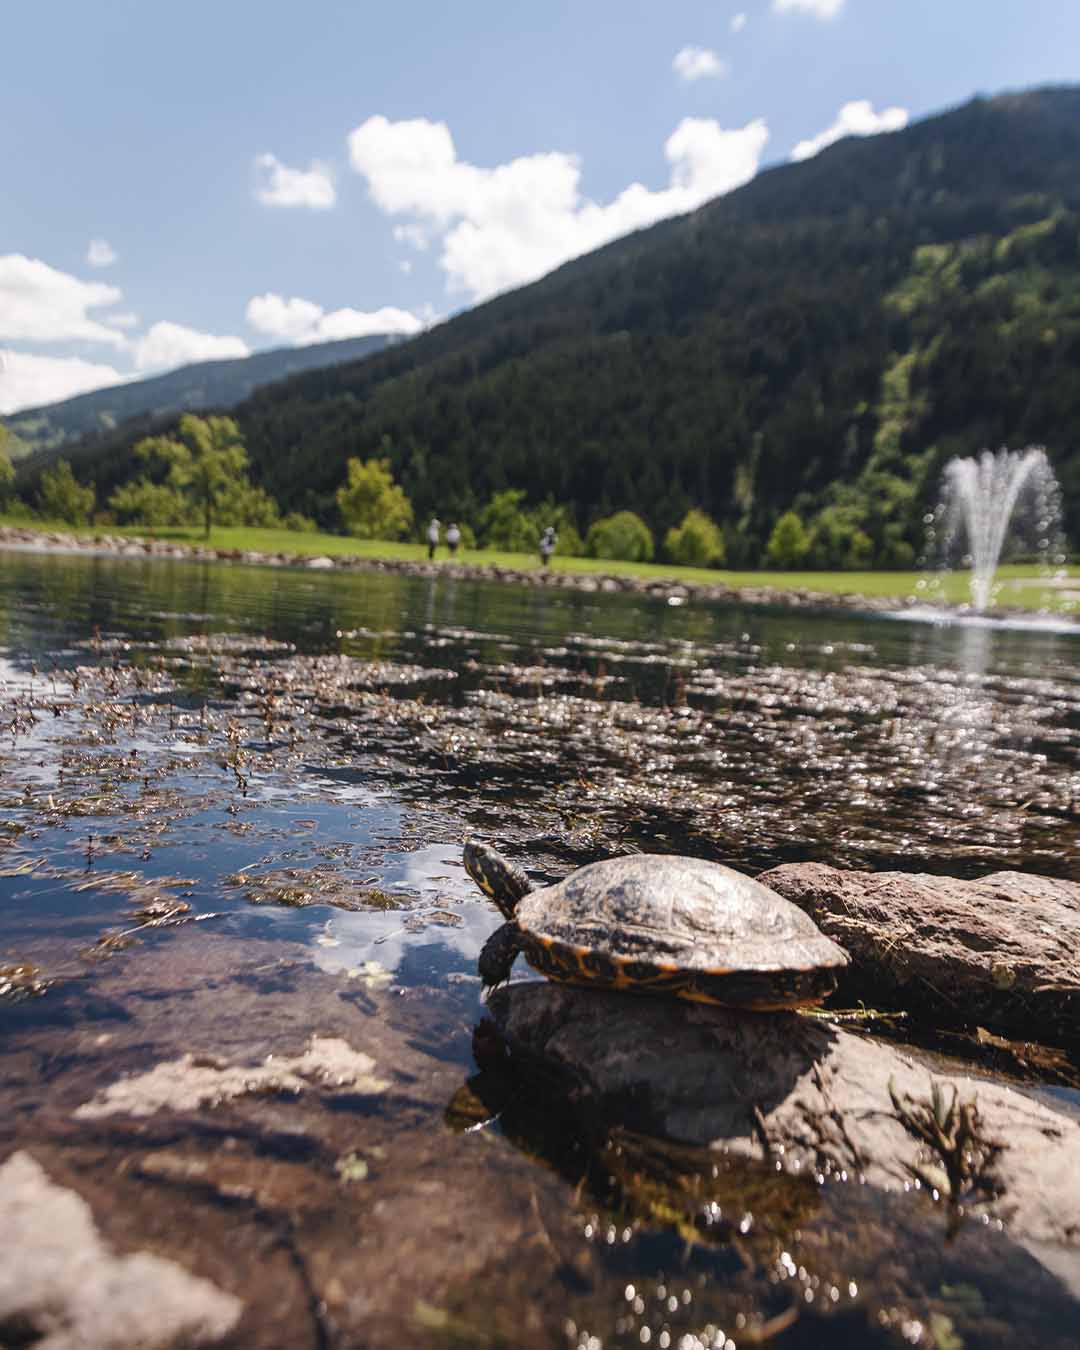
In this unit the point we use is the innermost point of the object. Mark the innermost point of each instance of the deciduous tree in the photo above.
(62, 497)
(697, 542)
(206, 463)
(506, 524)
(7, 473)
(372, 505)
(623, 535)
(789, 544)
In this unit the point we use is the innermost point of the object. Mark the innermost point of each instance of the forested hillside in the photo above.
(821, 339)
(204, 384)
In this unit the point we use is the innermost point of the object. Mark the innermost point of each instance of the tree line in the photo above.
(201, 477)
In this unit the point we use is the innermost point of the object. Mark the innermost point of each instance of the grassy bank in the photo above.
(1022, 585)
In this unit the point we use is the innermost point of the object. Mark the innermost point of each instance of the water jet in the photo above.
(991, 502)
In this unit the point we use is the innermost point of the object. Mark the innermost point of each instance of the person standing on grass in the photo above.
(548, 540)
(432, 538)
(453, 538)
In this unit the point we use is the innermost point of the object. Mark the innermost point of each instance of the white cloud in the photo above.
(820, 9)
(738, 22)
(854, 119)
(302, 322)
(505, 226)
(405, 266)
(168, 345)
(698, 63)
(27, 381)
(100, 253)
(346, 323)
(273, 314)
(414, 235)
(41, 304)
(278, 185)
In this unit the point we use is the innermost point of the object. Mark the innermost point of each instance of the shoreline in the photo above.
(19, 538)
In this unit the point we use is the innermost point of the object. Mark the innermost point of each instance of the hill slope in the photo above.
(822, 338)
(204, 384)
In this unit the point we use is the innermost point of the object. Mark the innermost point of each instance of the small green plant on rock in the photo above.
(958, 1160)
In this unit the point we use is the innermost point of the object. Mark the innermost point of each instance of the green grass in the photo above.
(1022, 587)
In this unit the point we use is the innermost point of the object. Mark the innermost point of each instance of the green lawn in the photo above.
(1021, 587)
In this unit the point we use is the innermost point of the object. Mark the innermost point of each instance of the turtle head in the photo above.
(497, 878)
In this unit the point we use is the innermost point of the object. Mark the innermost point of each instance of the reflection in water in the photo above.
(447, 916)
(970, 710)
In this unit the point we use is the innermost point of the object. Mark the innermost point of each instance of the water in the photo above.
(234, 800)
(994, 501)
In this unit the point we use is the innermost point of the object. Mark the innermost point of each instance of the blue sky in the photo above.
(181, 182)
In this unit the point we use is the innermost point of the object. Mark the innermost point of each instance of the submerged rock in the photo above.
(62, 1287)
(192, 1081)
(1002, 951)
(800, 1091)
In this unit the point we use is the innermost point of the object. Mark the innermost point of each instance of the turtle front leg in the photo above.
(498, 953)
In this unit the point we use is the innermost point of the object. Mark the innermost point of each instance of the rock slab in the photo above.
(816, 1094)
(1001, 951)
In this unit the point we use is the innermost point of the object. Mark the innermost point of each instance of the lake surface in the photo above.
(233, 806)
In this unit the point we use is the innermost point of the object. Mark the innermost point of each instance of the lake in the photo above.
(234, 800)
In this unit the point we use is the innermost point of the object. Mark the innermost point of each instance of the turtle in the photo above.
(655, 923)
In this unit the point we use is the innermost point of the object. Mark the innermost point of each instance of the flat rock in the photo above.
(63, 1288)
(1002, 951)
(816, 1096)
(192, 1081)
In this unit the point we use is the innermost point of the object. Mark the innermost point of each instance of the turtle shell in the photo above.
(657, 923)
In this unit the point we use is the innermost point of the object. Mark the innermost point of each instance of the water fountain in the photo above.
(994, 499)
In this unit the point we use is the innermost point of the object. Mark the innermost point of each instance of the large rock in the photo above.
(1002, 951)
(812, 1095)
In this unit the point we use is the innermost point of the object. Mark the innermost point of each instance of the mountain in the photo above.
(820, 340)
(206, 384)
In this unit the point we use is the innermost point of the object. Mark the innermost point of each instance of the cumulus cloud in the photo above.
(854, 119)
(278, 185)
(42, 304)
(820, 9)
(698, 63)
(738, 22)
(302, 322)
(100, 253)
(167, 345)
(28, 381)
(505, 226)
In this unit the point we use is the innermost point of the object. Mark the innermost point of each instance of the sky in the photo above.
(181, 182)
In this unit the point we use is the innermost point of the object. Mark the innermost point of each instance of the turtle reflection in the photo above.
(636, 1181)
